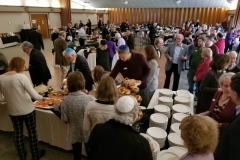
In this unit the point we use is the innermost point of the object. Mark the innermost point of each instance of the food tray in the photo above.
(44, 103)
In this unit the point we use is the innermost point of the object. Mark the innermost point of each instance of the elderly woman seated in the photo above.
(232, 67)
(200, 136)
(116, 139)
(222, 108)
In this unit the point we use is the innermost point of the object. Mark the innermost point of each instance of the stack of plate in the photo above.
(154, 143)
(158, 120)
(156, 149)
(182, 100)
(180, 108)
(183, 91)
(162, 109)
(174, 139)
(165, 101)
(165, 92)
(158, 135)
(179, 151)
(177, 117)
(183, 94)
(175, 128)
(167, 155)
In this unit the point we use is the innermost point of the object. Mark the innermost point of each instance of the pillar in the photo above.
(65, 11)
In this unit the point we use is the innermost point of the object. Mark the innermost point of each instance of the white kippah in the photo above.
(125, 104)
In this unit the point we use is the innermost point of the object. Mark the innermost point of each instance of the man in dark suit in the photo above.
(130, 40)
(152, 32)
(229, 144)
(79, 63)
(68, 32)
(35, 38)
(38, 69)
(158, 43)
(105, 31)
(176, 55)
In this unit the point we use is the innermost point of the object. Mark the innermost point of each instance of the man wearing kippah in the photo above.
(132, 66)
(116, 139)
(79, 63)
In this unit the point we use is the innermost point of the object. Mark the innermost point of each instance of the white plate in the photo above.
(175, 138)
(165, 99)
(167, 92)
(181, 99)
(179, 116)
(180, 151)
(175, 127)
(166, 155)
(149, 138)
(184, 91)
(157, 133)
(180, 108)
(161, 108)
(158, 118)
(183, 94)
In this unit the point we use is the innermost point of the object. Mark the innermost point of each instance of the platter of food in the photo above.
(46, 103)
(56, 94)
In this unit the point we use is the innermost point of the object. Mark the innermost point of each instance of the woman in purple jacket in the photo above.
(229, 40)
(111, 46)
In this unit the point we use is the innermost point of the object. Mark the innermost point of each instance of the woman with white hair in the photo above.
(54, 36)
(232, 67)
(222, 108)
(116, 139)
(120, 40)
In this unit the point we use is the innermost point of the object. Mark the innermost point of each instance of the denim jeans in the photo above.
(191, 83)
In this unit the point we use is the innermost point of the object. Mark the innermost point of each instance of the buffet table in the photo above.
(9, 41)
(50, 128)
(154, 101)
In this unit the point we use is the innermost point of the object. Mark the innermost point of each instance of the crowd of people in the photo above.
(207, 53)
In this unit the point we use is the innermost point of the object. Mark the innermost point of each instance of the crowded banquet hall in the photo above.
(120, 80)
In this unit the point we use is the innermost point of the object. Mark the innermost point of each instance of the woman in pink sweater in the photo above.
(220, 43)
(204, 66)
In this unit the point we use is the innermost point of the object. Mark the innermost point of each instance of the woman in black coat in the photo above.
(54, 36)
(89, 25)
(103, 54)
(209, 84)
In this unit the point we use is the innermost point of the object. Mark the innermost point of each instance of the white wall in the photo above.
(76, 17)
(16, 21)
(55, 20)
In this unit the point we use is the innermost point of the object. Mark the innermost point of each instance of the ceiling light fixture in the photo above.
(85, 2)
(230, 1)
(177, 2)
(125, 2)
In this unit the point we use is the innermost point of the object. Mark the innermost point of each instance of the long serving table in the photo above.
(50, 128)
(154, 101)
(9, 41)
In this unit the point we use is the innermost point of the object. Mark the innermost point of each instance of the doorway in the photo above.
(100, 16)
(40, 21)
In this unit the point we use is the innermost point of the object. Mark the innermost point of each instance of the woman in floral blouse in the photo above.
(72, 112)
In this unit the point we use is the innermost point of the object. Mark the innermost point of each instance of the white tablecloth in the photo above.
(7, 44)
(154, 101)
(81, 52)
(91, 61)
(50, 128)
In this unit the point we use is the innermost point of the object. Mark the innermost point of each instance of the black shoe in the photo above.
(41, 154)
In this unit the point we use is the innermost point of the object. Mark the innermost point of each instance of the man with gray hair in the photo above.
(38, 69)
(158, 43)
(176, 55)
(132, 66)
(117, 139)
(79, 63)
(120, 41)
(60, 45)
(232, 67)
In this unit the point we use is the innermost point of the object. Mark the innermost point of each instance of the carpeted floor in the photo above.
(7, 148)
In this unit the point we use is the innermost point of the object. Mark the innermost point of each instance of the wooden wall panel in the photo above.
(65, 11)
(237, 16)
(167, 16)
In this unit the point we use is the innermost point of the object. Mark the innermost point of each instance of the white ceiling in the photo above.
(156, 3)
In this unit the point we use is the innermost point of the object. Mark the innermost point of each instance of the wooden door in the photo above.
(100, 16)
(40, 21)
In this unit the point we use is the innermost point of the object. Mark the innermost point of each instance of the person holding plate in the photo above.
(18, 91)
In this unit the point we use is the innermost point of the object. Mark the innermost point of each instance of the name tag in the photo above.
(125, 68)
(213, 100)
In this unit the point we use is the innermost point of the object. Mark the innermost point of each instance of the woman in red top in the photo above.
(222, 108)
(203, 66)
